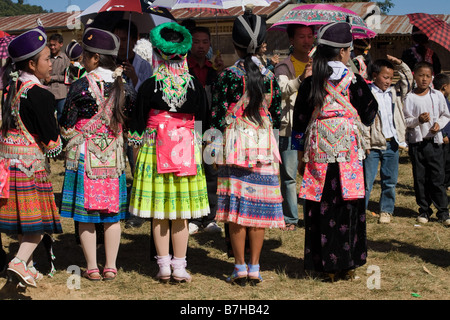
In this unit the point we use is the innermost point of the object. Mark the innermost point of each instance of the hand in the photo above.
(435, 128)
(424, 117)
(446, 140)
(219, 65)
(394, 60)
(275, 59)
(308, 71)
(367, 151)
(130, 72)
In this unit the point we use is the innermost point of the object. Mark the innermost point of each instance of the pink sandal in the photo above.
(89, 274)
(19, 268)
(109, 270)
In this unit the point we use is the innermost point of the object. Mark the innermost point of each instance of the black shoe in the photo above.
(3, 262)
(134, 222)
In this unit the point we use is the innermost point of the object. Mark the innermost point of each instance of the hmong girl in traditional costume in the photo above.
(75, 70)
(169, 184)
(92, 123)
(29, 135)
(247, 99)
(331, 107)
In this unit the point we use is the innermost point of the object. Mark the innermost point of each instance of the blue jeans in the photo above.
(388, 160)
(288, 175)
(60, 107)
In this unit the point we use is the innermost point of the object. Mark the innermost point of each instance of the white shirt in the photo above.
(385, 108)
(434, 103)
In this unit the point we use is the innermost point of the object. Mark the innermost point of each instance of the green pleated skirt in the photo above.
(166, 196)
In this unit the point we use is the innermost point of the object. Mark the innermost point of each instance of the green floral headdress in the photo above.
(170, 48)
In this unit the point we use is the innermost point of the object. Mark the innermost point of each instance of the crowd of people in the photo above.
(98, 104)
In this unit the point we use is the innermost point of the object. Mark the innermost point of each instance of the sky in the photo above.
(401, 6)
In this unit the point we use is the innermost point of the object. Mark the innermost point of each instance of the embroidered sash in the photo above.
(19, 145)
(247, 142)
(334, 135)
(104, 154)
(362, 66)
(174, 142)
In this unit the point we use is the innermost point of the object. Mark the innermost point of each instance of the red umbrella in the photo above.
(435, 29)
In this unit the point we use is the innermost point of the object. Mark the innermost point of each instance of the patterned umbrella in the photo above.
(211, 5)
(104, 14)
(320, 14)
(4, 42)
(435, 29)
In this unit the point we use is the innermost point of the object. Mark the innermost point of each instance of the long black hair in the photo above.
(246, 29)
(118, 89)
(255, 88)
(11, 86)
(321, 72)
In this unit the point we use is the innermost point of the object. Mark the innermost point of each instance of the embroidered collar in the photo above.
(339, 70)
(26, 76)
(103, 74)
(264, 71)
(173, 79)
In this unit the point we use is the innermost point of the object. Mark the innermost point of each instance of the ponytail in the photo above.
(118, 90)
(255, 90)
(321, 73)
(10, 85)
(118, 116)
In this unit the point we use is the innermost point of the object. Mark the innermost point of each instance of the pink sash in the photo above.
(4, 178)
(174, 142)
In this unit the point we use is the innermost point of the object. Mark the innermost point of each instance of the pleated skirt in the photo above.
(250, 197)
(75, 194)
(30, 207)
(167, 196)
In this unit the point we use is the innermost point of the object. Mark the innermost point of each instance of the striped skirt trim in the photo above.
(31, 206)
(249, 198)
(167, 196)
(74, 201)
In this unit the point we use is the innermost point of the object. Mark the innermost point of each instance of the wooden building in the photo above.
(393, 31)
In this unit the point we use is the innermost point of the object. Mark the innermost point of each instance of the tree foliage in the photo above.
(10, 8)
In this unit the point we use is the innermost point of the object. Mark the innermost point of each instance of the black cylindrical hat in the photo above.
(101, 41)
(336, 34)
(249, 32)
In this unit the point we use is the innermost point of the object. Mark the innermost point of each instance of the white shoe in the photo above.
(193, 228)
(179, 273)
(422, 219)
(165, 270)
(213, 227)
(446, 222)
(384, 217)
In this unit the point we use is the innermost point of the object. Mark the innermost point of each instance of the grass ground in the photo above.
(411, 262)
